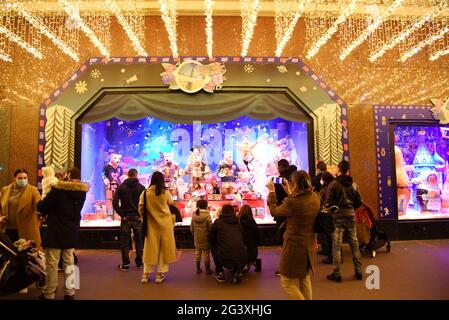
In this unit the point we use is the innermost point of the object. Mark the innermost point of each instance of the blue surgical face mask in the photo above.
(22, 183)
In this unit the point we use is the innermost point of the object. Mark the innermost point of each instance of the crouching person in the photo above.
(62, 207)
(227, 245)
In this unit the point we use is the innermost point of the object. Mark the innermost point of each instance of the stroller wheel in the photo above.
(40, 283)
(373, 254)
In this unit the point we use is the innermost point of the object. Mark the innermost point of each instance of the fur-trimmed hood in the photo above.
(72, 185)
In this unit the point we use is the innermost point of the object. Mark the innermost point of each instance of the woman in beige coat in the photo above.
(298, 253)
(18, 212)
(159, 248)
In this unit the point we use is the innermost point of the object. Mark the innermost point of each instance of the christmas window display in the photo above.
(224, 162)
(422, 171)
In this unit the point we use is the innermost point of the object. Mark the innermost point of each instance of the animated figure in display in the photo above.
(170, 170)
(112, 172)
(197, 169)
(228, 171)
(402, 180)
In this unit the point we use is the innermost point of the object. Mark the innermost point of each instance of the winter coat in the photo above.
(200, 227)
(226, 241)
(344, 194)
(298, 251)
(129, 194)
(62, 206)
(316, 182)
(251, 237)
(160, 237)
(27, 214)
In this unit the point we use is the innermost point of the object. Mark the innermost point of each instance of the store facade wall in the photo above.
(23, 120)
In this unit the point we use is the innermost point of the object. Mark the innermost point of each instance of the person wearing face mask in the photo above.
(18, 213)
(300, 208)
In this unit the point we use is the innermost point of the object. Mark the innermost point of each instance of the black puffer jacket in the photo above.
(62, 206)
(344, 193)
(128, 193)
(251, 238)
(226, 240)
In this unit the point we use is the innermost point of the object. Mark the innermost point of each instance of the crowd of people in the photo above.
(232, 239)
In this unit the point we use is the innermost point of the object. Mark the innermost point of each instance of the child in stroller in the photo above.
(20, 265)
(369, 237)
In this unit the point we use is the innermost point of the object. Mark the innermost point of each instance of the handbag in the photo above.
(324, 223)
(145, 217)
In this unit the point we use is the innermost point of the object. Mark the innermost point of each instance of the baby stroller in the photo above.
(19, 267)
(369, 237)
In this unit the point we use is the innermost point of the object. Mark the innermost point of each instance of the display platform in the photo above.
(260, 213)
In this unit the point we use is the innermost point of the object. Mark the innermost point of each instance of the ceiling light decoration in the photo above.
(5, 49)
(23, 44)
(249, 9)
(127, 27)
(332, 30)
(74, 15)
(377, 21)
(5, 57)
(37, 23)
(18, 95)
(428, 41)
(168, 12)
(408, 31)
(439, 54)
(208, 4)
(288, 13)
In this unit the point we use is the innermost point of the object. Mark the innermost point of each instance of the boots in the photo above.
(207, 265)
(198, 267)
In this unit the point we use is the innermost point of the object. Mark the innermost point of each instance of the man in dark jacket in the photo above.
(62, 206)
(316, 181)
(126, 204)
(344, 194)
(227, 245)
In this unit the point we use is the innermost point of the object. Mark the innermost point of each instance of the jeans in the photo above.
(127, 224)
(343, 224)
(298, 289)
(52, 256)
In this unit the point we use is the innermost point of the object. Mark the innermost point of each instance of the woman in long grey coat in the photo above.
(298, 253)
(159, 248)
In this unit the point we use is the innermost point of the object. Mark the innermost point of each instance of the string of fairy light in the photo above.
(249, 9)
(169, 16)
(288, 13)
(208, 4)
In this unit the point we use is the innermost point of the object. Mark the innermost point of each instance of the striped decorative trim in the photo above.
(383, 116)
(156, 60)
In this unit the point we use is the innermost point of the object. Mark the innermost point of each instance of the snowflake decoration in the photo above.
(248, 68)
(81, 87)
(95, 73)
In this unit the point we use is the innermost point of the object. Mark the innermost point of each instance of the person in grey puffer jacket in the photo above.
(344, 194)
(200, 226)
